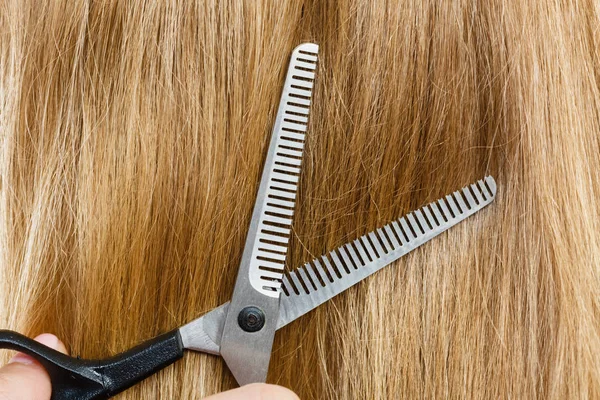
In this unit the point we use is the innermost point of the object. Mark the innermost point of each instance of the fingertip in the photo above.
(51, 341)
(256, 391)
(273, 392)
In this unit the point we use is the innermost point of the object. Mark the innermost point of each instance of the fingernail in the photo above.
(46, 339)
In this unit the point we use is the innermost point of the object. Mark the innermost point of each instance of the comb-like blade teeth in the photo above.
(269, 274)
(296, 281)
(388, 229)
(292, 136)
(306, 279)
(293, 144)
(304, 75)
(355, 261)
(406, 231)
(398, 232)
(336, 263)
(429, 216)
(282, 177)
(361, 252)
(470, 199)
(292, 126)
(454, 211)
(272, 219)
(289, 169)
(384, 241)
(319, 269)
(332, 272)
(313, 275)
(292, 109)
(364, 241)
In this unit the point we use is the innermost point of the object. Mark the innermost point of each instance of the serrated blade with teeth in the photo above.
(325, 277)
(261, 268)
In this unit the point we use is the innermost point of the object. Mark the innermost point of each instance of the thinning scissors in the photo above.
(265, 297)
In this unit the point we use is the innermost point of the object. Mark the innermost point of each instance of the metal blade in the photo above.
(353, 262)
(204, 333)
(255, 299)
(361, 258)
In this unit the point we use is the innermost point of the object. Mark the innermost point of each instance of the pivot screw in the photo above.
(251, 319)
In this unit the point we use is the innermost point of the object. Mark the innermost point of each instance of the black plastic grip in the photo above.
(77, 379)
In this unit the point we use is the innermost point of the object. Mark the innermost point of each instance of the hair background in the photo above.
(132, 140)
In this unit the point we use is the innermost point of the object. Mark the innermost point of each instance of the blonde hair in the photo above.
(133, 136)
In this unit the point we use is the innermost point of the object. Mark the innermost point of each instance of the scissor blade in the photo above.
(204, 334)
(353, 262)
(268, 236)
(363, 257)
(246, 343)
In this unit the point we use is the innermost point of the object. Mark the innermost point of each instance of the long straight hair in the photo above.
(133, 135)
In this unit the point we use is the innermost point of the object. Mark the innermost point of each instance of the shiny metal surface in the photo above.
(323, 278)
(262, 264)
(204, 333)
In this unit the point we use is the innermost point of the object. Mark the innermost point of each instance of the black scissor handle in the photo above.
(77, 379)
